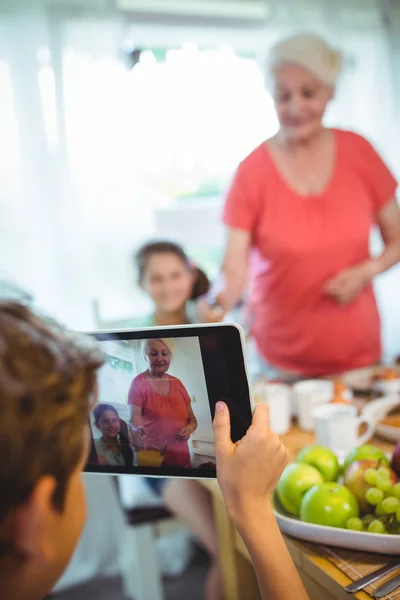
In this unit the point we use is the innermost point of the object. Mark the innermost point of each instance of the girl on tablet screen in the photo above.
(113, 448)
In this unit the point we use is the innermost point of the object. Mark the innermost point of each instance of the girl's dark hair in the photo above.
(201, 282)
(123, 436)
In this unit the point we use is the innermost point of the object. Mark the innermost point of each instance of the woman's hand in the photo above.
(346, 286)
(185, 433)
(207, 313)
(249, 470)
(138, 435)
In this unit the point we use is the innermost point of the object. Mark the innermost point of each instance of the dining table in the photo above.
(321, 576)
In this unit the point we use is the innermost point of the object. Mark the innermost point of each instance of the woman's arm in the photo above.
(228, 290)
(346, 286)
(138, 433)
(136, 418)
(191, 425)
(248, 473)
(389, 225)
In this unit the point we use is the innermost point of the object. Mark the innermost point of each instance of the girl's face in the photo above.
(109, 424)
(300, 102)
(159, 356)
(168, 281)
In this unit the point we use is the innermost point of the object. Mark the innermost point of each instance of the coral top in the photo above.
(163, 416)
(298, 244)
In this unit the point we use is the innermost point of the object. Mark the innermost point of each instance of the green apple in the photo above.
(329, 504)
(295, 481)
(366, 452)
(323, 459)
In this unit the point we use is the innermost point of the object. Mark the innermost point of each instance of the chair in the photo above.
(142, 578)
(140, 540)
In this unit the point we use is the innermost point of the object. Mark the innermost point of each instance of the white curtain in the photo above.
(87, 150)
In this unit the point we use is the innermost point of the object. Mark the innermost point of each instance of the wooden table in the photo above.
(321, 578)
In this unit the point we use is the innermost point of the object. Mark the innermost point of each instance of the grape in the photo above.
(379, 510)
(390, 505)
(374, 496)
(384, 484)
(398, 514)
(355, 524)
(384, 472)
(367, 519)
(376, 527)
(371, 476)
(396, 490)
(393, 526)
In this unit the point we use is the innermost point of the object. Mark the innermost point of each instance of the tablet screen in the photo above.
(156, 401)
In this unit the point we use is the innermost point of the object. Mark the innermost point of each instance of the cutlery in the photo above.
(364, 581)
(387, 587)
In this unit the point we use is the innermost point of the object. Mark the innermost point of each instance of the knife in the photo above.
(364, 581)
(387, 587)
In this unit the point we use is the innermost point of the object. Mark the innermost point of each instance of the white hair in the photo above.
(310, 52)
(168, 343)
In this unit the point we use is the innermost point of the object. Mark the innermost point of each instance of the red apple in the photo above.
(355, 482)
(396, 459)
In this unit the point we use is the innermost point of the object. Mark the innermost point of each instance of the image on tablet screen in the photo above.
(153, 409)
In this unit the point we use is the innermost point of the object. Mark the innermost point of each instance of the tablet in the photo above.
(156, 399)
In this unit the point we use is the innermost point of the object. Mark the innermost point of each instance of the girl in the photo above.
(113, 448)
(172, 282)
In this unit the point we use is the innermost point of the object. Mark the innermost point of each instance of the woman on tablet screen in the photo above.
(161, 409)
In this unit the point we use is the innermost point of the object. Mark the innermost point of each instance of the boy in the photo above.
(47, 385)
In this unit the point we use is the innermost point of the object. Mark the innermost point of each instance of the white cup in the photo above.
(277, 397)
(336, 427)
(307, 395)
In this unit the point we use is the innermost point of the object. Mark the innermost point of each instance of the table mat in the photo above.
(358, 564)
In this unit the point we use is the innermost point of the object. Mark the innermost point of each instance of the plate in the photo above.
(332, 536)
(362, 380)
(377, 410)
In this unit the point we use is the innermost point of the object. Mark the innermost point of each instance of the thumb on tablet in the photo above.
(261, 418)
(222, 429)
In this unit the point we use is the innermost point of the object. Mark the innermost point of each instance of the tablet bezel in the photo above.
(232, 341)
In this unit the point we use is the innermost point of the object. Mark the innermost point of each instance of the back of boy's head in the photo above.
(47, 377)
(201, 283)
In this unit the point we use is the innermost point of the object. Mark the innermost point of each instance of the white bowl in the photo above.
(343, 538)
(377, 410)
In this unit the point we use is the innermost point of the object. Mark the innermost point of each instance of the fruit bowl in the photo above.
(332, 536)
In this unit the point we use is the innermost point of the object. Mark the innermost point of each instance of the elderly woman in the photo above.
(162, 410)
(303, 204)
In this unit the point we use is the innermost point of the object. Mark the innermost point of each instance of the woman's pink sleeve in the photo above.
(184, 393)
(241, 203)
(135, 395)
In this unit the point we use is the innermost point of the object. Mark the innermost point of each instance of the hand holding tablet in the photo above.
(249, 470)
